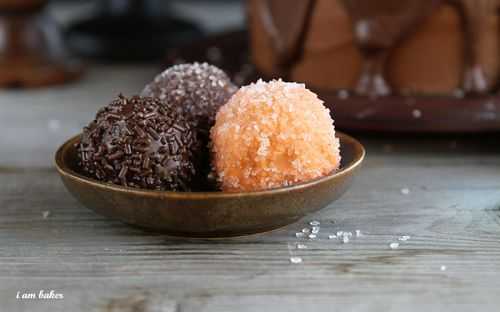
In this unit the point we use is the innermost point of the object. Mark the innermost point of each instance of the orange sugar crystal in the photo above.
(273, 134)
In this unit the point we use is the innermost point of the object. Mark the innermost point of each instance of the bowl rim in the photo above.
(66, 171)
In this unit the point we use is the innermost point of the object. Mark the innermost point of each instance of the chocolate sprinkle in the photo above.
(131, 137)
(197, 90)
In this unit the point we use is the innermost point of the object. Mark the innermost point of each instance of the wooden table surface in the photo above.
(443, 192)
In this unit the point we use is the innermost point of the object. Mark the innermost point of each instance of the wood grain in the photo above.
(48, 241)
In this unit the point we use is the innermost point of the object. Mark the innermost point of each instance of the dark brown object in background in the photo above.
(129, 30)
(32, 53)
(210, 214)
(288, 38)
(428, 47)
(378, 26)
(477, 78)
(395, 113)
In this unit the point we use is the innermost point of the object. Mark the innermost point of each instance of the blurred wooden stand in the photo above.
(32, 53)
(130, 30)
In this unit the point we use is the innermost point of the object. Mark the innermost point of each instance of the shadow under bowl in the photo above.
(209, 214)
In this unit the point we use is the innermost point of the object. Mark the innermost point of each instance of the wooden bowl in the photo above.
(209, 214)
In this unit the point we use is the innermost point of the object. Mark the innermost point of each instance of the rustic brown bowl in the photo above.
(209, 214)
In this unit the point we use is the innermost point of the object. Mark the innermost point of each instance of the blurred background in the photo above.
(141, 29)
(63, 60)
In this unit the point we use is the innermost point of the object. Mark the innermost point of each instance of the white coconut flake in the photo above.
(405, 191)
(314, 223)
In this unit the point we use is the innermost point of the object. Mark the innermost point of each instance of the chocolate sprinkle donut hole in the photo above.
(197, 90)
(139, 142)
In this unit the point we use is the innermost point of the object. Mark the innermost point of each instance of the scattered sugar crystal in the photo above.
(45, 214)
(332, 236)
(295, 260)
(404, 238)
(314, 223)
(301, 246)
(312, 236)
(300, 235)
(263, 147)
(394, 245)
(405, 191)
(443, 268)
(358, 233)
(306, 230)
(315, 230)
